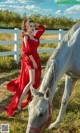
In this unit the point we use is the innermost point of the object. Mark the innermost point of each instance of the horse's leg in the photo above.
(69, 84)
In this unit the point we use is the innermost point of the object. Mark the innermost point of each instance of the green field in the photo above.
(9, 70)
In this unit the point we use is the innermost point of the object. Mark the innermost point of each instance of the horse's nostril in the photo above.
(40, 115)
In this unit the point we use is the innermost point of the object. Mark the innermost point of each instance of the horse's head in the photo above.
(40, 111)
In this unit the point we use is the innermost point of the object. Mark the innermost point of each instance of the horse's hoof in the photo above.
(52, 127)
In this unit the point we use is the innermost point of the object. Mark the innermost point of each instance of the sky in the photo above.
(42, 7)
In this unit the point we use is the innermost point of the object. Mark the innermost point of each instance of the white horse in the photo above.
(65, 60)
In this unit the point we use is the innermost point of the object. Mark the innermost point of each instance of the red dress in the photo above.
(17, 85)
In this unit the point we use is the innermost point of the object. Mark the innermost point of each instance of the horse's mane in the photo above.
(71, 31)
(65, 39)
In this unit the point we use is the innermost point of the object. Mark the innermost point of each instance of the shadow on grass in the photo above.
(5, 103)
(7, 118)
(10, 77)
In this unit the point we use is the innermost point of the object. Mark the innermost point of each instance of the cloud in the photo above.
(22, 1)
(16, 7)
(30, 7)
(36, 6)
(27, 1)
(2, 5)
(9, 1)
(56, 1)
(2, 9)
(58, 11)
(73, 10)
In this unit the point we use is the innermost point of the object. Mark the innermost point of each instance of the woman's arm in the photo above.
(30, 56)
(25, 40)
(40, 31)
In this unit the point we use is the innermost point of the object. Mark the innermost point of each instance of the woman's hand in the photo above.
(35, 65)
(36, 24)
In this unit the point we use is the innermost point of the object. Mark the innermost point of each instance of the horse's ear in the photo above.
(47, 93)
(34, 92)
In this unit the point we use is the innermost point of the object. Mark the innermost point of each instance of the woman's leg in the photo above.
(27, 87)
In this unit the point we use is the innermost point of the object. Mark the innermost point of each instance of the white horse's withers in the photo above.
(65, 60)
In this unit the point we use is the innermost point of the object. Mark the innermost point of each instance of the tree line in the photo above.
(10, 19)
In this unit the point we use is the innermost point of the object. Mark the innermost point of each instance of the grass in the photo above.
(9, 70)
(71, 122)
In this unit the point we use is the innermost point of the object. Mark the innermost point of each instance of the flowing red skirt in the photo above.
(17, 85)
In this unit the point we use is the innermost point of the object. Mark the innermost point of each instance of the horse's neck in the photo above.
(56, 70)
(61, 63)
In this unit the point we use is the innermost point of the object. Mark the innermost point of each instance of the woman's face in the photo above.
(31, 27)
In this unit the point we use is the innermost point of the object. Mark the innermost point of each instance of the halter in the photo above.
(46, 122)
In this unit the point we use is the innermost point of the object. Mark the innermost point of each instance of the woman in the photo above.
(30, 68)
